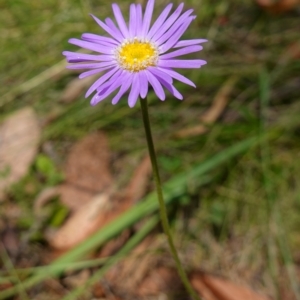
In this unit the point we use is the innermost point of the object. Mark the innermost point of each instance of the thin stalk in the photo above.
(162, 206)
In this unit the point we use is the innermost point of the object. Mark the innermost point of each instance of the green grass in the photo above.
(241, 219)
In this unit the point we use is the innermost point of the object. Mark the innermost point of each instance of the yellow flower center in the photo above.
(136, 55)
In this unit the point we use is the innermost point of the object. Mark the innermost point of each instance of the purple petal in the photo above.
(132, 21)
(125, 86)
(109, 82)
(135, 90)
(159, 91)
(73, 57)
(98, 82)
(176, 36)
(94, 100)
(93, 72)
(159, 21)
(174, 27)
(113, 33)
(103, 94)
(139, 21)
(91, 46)
(143, 84)
(92, 65)
(178, 76)
(166, 25)
(181, 52)
(171, 88)
(189, 43)
(114, 85)
(182, 63)
(147, 17)
(109, 22)
(98, 39)
(120, 20)
(159, 73)
(103, 44)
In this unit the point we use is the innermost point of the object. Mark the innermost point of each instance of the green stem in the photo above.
(162, 206)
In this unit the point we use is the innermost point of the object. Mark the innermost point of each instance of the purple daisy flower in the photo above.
(138, 54)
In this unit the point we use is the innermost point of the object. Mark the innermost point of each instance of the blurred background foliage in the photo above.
(243, 222)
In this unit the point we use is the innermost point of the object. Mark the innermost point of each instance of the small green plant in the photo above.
(49, 172)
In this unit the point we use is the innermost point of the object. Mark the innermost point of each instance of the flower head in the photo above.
(137, 55)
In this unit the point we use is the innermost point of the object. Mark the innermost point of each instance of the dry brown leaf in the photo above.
(112, 246)
(277, 6)
(213, 113)
(81, 224)
(87, 171)
(19, 137)
(133, 192)
(74, 197)
(222, 289)
(97, 210)
(128, 274)
(88, 163)
(138, 184)
(162, 280)
(76, 87)
(98, 291)
(10, 241)
(201, 288)
(77, 279)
